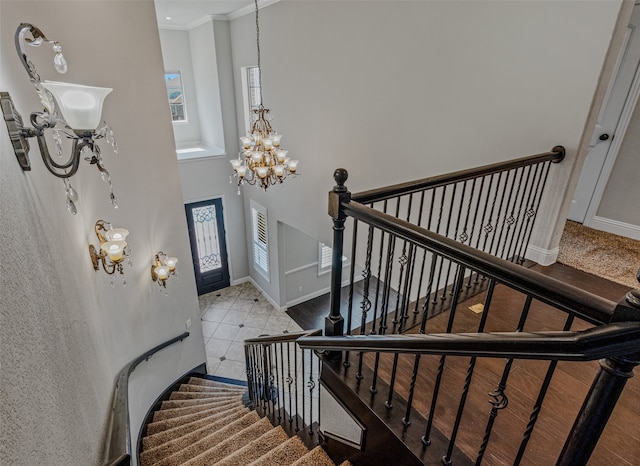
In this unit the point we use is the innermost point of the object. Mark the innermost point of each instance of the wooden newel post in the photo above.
(334, 322)
(603, 395)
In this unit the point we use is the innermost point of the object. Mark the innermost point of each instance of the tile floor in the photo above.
(231, 315)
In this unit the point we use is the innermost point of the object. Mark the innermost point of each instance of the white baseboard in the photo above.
(542, 256)
(309, 296)
(240, 281)
(266, 295)
(614, 226)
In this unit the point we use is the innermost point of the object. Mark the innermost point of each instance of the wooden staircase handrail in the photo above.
(611, 340)
(556, 155)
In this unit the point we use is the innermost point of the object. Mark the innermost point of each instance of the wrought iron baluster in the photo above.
(499, 398)
(464, 236)
(295, 384)
(423, 326)
(290, 380)
(482, 227)
(366, 304)
(394, 369)
(489, 227)
(534, 207)
(311, 385)
(437, 230)
(467, 381)
(507, 204)
(443, 298)
(533, 418)
(436, 389)
(378, 282)
(275, 388)
(508, 212)
(385, 303)
(302, 376)
(514, 216)
(354, 241)
(281, 391)
(402, 260)
(522, 213)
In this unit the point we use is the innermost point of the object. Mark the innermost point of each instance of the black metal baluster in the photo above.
(487, 228)
(442, 259)
(281, 392)
(275, 390)
(354, 242)
(523, 215)
(436, 389)
(311, 384)
(406, 420)
(475, 217)
(533, 418)
(383, 318)
(514, 216)
(402, 261)
(499, 398)
(448, 274)
(394, 370)
(446, 460)
(302, 375)
(508, 216)
(366, 303)
(499, 212)
(424, 258)
(464, 236)
(269, 382)
(295, 385)
(290, 380)
(533, 210)
(378, 282)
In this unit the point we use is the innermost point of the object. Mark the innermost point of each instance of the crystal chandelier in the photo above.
(262, 162)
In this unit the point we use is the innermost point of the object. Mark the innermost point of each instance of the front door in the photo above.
(208, 245)
(612, 121)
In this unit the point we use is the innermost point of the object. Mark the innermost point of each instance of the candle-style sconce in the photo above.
(113, 249)
(162, 268)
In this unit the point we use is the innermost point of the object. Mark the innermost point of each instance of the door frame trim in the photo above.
(614, 148)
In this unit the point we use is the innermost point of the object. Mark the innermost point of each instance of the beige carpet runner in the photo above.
(205, 422)
(606, 255)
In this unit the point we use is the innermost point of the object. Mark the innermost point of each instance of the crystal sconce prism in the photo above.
(71, 111)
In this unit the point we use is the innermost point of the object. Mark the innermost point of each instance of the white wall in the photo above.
(394, 91)
(65, 332)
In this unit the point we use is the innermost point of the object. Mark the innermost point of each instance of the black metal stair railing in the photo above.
(283, 381)
(466, 238)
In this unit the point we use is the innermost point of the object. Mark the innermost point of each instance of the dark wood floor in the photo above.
(620, 443)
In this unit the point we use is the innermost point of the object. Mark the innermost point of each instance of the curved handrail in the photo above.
(556, 155)
(568, 298)
(611, 340)
(119, 448)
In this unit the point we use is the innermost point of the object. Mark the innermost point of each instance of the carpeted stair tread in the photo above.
(171, 404)
(222, 418)
(174, 445)
(316, 457)
(186, 387)
(256, 448)
(169, 413)
(193, 395)
(231, 444)
(209, 441)
(213, 383)
(286, 453)
(155, 427)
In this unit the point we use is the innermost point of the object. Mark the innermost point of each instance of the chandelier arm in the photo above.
(73, 163)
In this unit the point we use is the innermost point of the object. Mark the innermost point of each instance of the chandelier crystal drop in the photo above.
(262, 161)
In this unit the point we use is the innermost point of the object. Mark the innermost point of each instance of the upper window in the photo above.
(175, 93)
(325, 258)
(260, 239)
(251, 86)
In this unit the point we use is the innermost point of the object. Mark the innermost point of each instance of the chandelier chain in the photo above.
(258, 47)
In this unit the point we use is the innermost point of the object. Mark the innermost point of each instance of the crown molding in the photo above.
(250, 9)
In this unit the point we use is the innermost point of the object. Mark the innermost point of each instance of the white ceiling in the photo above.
(187, 13)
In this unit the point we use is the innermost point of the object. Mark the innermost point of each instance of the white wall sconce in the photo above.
(163, 267)
(113, 249)
(72, 111)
